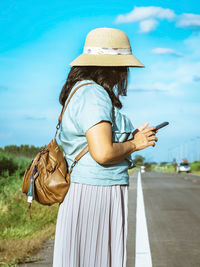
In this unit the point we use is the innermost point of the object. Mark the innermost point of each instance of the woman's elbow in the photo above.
(101, 157)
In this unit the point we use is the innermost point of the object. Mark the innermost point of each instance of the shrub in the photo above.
(7, 165)
(195, 166)
(148, 166)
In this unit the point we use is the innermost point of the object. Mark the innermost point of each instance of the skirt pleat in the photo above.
(91, 228)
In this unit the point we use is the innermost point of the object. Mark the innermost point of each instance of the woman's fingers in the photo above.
(145, 136)
(149, 129)
(150, 133)
(152, 143)
(150, 138)
(143, 126)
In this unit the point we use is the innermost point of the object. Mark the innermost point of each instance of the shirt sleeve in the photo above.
(94, 105)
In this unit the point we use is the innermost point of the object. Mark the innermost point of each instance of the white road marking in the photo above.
(142, 247)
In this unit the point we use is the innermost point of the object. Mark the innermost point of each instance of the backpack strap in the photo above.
(79, 156)
(85, 149)
(65, 106)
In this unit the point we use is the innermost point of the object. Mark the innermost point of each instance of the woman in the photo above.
(91, 229)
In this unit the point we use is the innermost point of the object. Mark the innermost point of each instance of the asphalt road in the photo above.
(172, 208)
(172, 204)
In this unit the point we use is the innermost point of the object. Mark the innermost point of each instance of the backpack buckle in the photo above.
(73, 164)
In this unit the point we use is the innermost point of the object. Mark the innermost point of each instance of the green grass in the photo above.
(195, 168)
(14, 217)
(19, 235)
(135, 169)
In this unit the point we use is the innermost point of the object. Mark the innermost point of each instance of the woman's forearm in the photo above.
(104, 151)
(118, 152)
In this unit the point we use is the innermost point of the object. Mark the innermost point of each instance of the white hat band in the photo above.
(94, 50)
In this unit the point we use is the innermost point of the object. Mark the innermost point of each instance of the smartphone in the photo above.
(163, 124)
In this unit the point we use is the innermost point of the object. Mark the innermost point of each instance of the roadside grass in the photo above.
(166, 168)
(135, 169)
(15, 251)
(20, 236)
(195, 168)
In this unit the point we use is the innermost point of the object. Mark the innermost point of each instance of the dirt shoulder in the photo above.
(44, 258)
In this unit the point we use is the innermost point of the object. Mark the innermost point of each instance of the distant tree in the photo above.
(22, 150)
(153, 163)
(148, 166)
(139, 160)
(163, 163)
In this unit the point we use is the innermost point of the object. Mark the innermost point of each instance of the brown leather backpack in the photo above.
(47, 178)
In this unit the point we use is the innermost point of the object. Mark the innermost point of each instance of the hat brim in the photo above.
(106, 60)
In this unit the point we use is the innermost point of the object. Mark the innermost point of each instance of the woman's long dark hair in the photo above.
(107, 77)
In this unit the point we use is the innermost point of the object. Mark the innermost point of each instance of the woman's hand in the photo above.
(144, 136)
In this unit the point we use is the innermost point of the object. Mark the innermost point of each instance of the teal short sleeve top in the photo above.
(89, 105)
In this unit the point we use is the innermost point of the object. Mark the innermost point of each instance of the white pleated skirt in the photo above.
(91, 228)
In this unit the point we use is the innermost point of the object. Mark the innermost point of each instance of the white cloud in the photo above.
(141, 13)
(155, 86)
(188, 20)
(149, 16)
(169, 51)
(148, 25)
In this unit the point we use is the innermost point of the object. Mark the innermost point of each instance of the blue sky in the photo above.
(38, 40)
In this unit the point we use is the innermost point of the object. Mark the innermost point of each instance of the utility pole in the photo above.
(198, 148)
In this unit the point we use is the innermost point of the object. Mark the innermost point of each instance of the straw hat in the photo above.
(107, 47)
